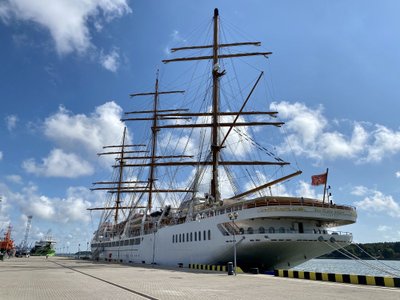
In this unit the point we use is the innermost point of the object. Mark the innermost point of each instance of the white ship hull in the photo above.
(270, 237)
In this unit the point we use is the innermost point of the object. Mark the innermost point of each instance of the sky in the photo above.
(68, 66)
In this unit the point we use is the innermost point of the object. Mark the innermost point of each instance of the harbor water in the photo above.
(388, 268)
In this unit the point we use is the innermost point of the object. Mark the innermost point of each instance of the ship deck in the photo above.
(65, 278)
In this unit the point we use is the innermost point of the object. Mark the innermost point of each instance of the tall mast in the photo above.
(119, 186)
(120, 178)
(215, 111)
(154, 131)
(215, 124)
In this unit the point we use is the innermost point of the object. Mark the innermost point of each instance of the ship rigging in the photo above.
(198, 229)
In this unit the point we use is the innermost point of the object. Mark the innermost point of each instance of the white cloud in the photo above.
(11, 122)
(359, 190)
(65, 216)
(53, 209)
(42, 207)
(305, 190)
(76, 137)
(110, 61)
(74, 206)
(310, 134)
(385, 142)
(384, 228)
(90, 132)
(376, 201)
(176, 40)
(1, 155)
(59, 164)
(398, 174)
(14, 178)
(67, 20)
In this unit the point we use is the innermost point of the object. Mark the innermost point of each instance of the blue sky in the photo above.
(67, 68)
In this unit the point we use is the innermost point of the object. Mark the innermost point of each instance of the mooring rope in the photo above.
(381, 262)
(350, 255)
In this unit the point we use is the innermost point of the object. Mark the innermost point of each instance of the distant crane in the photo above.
(24, 247)
(1, 206)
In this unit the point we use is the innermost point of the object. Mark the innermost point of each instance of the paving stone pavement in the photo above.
(66, 278)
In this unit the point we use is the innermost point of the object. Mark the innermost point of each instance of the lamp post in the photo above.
(233, 217)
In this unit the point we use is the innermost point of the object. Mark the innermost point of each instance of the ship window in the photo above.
(187, 236)
(199, 235)
(195, 236)
(173, 238)
(241, 230)
(281, 230)
(132, 241)
(261, 230)
(250, 230)
(180, 238)
(191, 236)
(209, 234)
(271, 230)
(126, 243)
(183, 237)
(204, 235)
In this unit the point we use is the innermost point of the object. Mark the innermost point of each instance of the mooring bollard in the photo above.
(230, 268)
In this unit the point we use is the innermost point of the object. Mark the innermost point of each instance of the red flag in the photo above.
(319, 179)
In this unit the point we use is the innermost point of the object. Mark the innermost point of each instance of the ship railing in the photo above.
(280, 230)
(269, 202)
(293, 202)
(335, 232)
(263, 202)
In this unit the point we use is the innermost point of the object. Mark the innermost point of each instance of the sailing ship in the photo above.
(215, 218)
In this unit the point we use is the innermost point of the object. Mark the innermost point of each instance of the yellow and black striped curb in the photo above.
(343, 278)
(213, 268)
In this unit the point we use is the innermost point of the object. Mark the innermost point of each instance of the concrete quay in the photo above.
(66, 278)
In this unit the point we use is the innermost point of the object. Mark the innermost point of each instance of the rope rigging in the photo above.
(350, 255)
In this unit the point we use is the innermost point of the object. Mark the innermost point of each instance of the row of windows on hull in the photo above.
(135, 241)
(191, 236)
